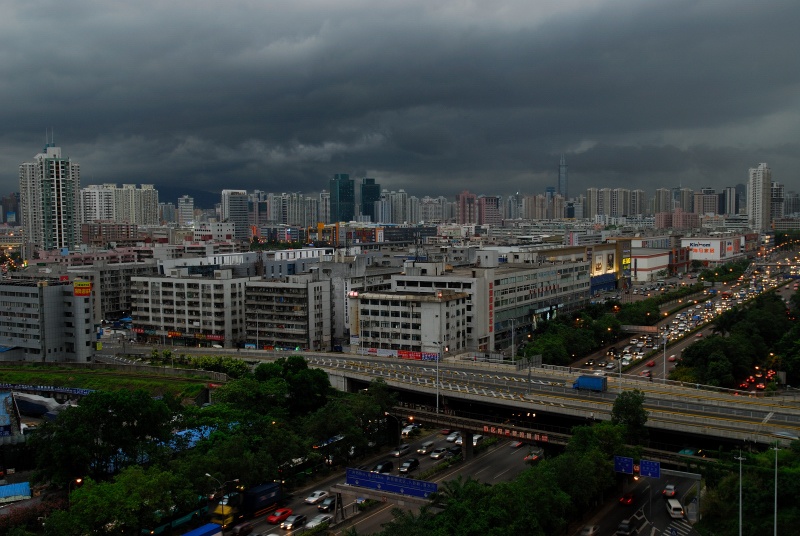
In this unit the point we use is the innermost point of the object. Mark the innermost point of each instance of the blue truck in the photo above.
(591, 383)
(210, 529)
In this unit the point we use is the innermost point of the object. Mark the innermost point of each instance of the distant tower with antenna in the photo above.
(562, 177)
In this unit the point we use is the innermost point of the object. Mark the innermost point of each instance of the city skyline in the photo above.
(429, 98)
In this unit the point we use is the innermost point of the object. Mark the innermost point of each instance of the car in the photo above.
(626, 362)
(459, 440)
(318, 520)
(626, 528)
(646, 374)
(611, 366)
(294, 521)
(445, 431)
(590, 530)
(672, 358)
(453, 436)
(316, 496)
(407, 431)
(601, 364)
(699, 335)
(243, 530)
(385, 467)
(589, 362)
(477, 438)
(651, 363)
(535, 455)
(516, 444)
(599, 373)
(279, 515)
(441, 452)
(327, 505)
(454, 451)
(409, 465)
(626, 499)
(425, 447)
(669, 490)
(400, 450)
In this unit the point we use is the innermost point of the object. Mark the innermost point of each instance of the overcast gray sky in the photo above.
(430, 96)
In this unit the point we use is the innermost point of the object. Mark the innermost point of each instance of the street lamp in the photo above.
(387, 414)
(224, 500)
(741, 459)
(775, 529)
(75, 482)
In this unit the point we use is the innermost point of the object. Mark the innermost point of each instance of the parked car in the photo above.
(294, 521)
(316, 496)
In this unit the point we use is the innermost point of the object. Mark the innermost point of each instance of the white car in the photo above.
(319, 520)
(316, 497)
(453, 436)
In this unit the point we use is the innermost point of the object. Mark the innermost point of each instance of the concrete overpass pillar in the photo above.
(466, 447)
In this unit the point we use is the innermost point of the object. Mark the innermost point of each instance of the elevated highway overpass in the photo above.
(672, 407)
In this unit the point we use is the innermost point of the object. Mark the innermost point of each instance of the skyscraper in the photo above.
(759, 197)
(343, 198)
(562, 177)
(49, 200)
(370, 192)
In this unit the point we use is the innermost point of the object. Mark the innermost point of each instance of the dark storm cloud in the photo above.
(429, 97)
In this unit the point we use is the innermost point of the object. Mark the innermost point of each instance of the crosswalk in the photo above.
(679, 527)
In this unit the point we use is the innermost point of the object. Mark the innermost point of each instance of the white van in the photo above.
(674, 508)
(425, 448)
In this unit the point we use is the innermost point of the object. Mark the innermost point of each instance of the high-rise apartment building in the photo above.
(759, 197)
(50, 200)
(128, 204)
(325, 207)
(224, 206)
(729, 201)
(489, 210)
(662, 201)
(638, 203)
(777, 196)
(591, 206)
(343, 198)
(97, 203)
(236, 207)
(185, 210)
(467, 208)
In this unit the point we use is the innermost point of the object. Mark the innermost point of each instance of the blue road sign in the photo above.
(391, 484)
(650, 468)
(623, 465)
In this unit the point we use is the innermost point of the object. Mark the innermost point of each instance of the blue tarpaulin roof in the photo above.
(15, 492)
